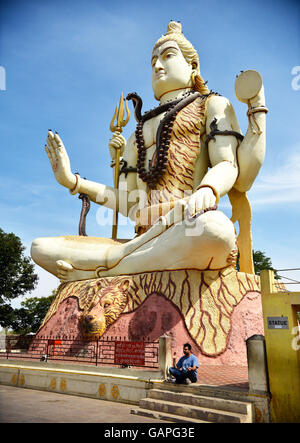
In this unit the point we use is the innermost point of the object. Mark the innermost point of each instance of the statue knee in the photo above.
(219, 227)
(42, 252)
(36, 249)
(221, 238)
(213, 230)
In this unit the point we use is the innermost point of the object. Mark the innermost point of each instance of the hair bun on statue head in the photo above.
(174, 32)
(174, 27)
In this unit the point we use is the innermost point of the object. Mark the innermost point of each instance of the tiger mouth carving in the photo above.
(92, 327)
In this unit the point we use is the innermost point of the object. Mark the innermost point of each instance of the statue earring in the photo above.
(193, 75)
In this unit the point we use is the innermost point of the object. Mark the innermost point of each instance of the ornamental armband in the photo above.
(215, 131)
(77, 185)
(126, 169)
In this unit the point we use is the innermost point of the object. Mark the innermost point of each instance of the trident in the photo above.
(121, 123)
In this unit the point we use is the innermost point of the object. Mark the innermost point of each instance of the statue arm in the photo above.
(222, 175)
(97, 192)
(251, 152)
(109, 196)
(223, 150)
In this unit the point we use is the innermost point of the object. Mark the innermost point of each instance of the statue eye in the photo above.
(106, 305)
(169, 54)
(153, 62)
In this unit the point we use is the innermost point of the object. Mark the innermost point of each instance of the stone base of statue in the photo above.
(215, 311)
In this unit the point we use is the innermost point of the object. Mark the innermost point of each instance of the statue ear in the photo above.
(124, 285)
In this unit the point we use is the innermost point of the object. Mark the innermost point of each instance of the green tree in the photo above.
(29, 317)
(260, 261)
(17, 275)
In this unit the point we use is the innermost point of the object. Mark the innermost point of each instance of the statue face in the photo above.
(170, 70)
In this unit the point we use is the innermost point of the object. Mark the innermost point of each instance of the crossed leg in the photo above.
(71, 257)
(205, 245)
(180, 376)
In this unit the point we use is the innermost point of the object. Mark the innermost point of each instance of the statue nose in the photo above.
(88, 318)
(158, 66)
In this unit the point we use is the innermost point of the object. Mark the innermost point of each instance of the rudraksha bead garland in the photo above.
(172, 107)
(164, 131)
(157, 170)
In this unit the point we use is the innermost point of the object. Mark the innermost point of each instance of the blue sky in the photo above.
(66, 63)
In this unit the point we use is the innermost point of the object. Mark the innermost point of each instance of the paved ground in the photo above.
(20, 405)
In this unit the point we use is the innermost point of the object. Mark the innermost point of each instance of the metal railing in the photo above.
(280, 284)
(113, 351)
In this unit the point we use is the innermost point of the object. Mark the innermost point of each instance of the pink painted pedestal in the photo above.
(157, 316)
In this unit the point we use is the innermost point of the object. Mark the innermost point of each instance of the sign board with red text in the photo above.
(130, 353)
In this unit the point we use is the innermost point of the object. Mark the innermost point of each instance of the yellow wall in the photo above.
(282, 356)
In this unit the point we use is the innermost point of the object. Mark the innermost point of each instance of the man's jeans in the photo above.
(180, 376)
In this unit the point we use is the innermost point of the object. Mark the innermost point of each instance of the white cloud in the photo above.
(47, 282)
(282, 185)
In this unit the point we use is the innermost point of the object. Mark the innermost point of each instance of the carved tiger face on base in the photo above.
(106, 308)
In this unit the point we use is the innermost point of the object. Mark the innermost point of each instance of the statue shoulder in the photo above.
(219, 108)
(217, 104)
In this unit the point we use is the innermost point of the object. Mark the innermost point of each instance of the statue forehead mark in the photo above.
(170, 44)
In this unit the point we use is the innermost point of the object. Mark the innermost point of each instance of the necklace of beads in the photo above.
(157, 170)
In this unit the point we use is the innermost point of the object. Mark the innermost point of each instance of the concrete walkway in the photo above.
(19, 405)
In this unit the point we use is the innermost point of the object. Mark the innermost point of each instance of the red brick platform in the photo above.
(224, 376)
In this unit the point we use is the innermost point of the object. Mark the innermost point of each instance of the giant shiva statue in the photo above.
(184, 156)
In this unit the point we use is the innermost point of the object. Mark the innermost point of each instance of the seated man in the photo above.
(185, 371)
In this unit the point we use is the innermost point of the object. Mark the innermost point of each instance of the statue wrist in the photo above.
(258, 100)
(257, 108)
(77, 185)
(216, 194)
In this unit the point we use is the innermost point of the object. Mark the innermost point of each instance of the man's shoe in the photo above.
(187, 381)
(170, 380)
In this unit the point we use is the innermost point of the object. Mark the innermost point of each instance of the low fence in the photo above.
(114, 351)
(283, 280)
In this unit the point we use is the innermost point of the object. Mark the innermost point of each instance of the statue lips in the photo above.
(160, 74)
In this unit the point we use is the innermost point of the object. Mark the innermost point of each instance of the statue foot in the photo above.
(66, 272)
